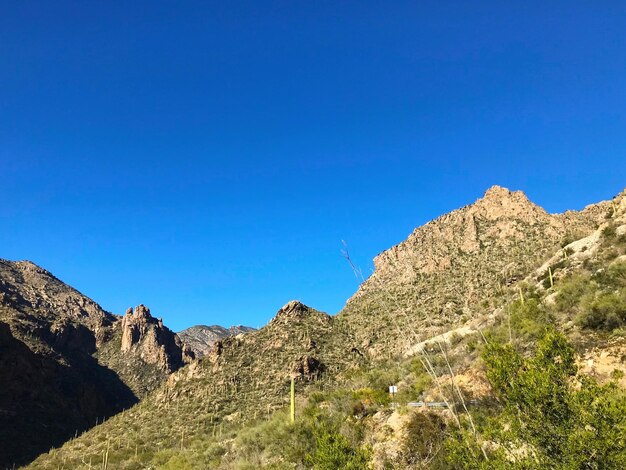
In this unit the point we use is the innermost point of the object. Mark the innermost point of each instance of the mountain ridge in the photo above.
(454, 263)
(78, 372)
(448, 274)
(200, 338)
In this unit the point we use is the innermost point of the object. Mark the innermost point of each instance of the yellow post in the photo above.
(293, 400)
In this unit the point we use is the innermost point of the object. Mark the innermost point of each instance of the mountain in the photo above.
(66, 363)
(200, 338)
(243, 378)
(417, 322)
(455, 267)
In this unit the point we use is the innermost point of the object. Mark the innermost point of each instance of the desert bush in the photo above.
(370, 398)
(422, 383)
(609, 232)
(333, 451)
(529, 318)
(424, 434)
(605, 311)
(571, 291)
(613, 277)
(274, 440)
(550, 417)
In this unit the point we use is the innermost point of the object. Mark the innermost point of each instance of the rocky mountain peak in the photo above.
(464, 257)
(499, 203)
(25, 286)
(293, 308)
(497, 192)
(29, 266)
(295, 312)
(500, 217)
(142, 312)
(152, 341)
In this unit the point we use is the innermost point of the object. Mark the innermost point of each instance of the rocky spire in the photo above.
(146, 336)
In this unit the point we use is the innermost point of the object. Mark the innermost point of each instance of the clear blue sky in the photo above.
(207, 158)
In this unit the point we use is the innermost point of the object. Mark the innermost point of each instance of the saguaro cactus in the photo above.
(293, 400)
(551, 278)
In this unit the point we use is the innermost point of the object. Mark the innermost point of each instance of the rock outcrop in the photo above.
(296, 311)
(502, 217)
(146, 336)
(307, 368)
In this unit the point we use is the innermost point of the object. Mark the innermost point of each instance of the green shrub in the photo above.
(610, 254)
(571, 291)
(333, 451)
(606, 311)
(550, 417)
(379, 378)
(613, 277)
(422, 383)
(529, 318)
(275, 439)
(372, 398)
(424, 434)
(546, 283)
(177, 462)
(609, 232)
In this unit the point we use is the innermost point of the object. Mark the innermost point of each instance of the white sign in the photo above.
(393, 389)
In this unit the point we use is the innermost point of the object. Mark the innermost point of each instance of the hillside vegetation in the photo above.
(510, 319)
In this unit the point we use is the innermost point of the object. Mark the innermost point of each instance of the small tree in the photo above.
(550, 417)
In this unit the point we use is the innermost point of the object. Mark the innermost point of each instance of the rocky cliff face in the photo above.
(152, 341)
(501, 219)
(200, 338)
(450, 269)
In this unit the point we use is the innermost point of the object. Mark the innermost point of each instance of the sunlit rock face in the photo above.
(146, 336)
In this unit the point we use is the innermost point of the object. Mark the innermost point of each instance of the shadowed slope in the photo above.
(45, 399)
(62, 364)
